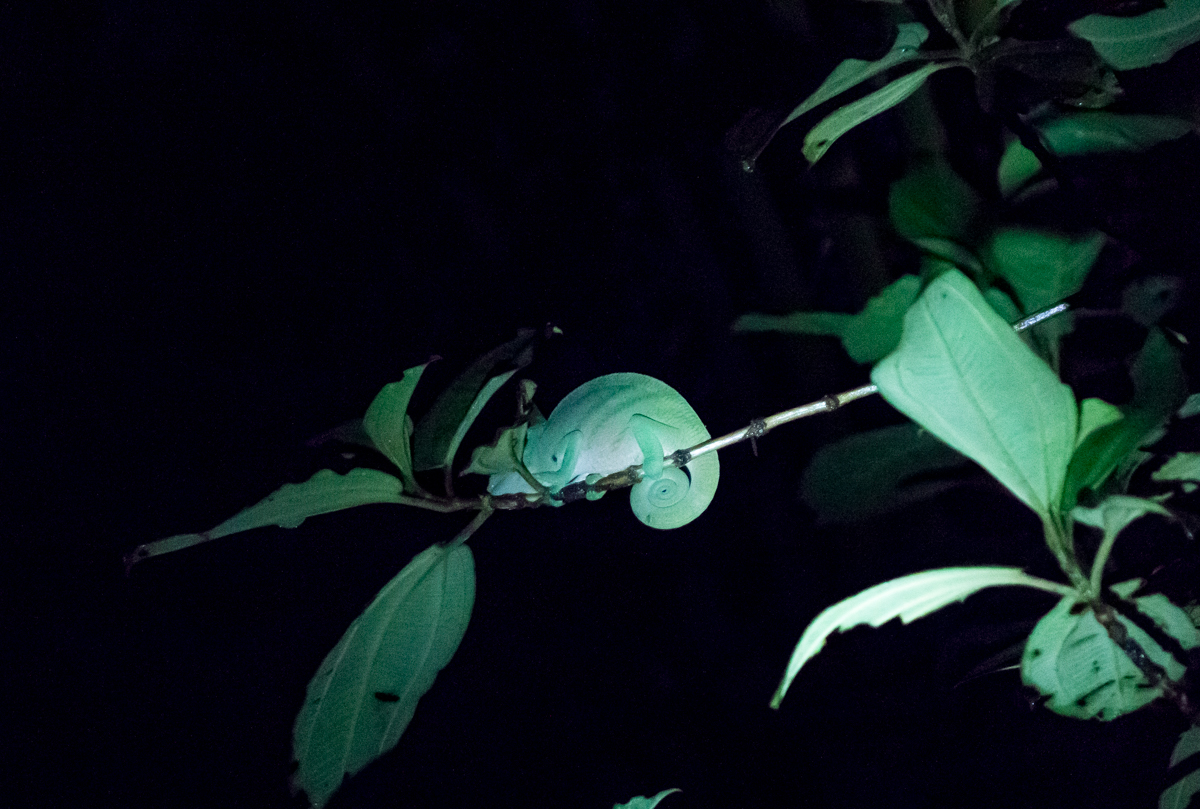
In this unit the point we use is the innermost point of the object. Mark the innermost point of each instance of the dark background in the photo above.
(225, 227)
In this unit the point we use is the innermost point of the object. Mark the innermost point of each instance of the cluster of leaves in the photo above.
(944, 355)
(365, 692)
(1026, 83)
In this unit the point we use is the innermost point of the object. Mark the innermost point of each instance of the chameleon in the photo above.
(611, 423)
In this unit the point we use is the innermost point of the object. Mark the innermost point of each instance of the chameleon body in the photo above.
(614, 422)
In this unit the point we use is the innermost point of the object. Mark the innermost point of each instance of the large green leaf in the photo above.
(907, 598)
(932, 201)
(365, 692)
(867, 336)
(873, 472)
(290, 505)
(1042, 267)
(909, 37)
(837, 123)
(1147, 39)
(448, 417)
(1080, 133)
(389, 426)
(1071, 658)
(962, 373)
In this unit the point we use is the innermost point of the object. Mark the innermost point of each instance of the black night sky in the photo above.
(226, 226)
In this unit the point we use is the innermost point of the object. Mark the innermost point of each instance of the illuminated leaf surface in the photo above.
(293, 503)
(502, 455)
(1081, 133)
(851, 72)
(1043, 267)
(365, 692)
(389, 426)
(907, 598)
(962, 373)
(1127, 43)
(1180, 466)
(1071, 658)
(837, 123)
(867, 336)
(1117, 511)
(1095, 414)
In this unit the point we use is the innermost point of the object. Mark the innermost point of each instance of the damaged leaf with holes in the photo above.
(1084, 674)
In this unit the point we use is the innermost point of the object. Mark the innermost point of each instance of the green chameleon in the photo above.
(614, 422)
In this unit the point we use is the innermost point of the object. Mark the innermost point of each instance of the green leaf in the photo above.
(871, 473)
(1095, 414)
(962, 373)
(1158, 380)
(1080, 133)
(867, 336)
(289, 506)
(1180, 466)
(1190, 407)
(950, 252)
(837, 123)
(389, 426)
(932, 201)
(1018, 165)
(909, 37)
(1159, 390)
(1041, 266)
(365, 692)
(643, 802)
(1116, 512)
(1127, 43)
(501, 456)
(1179, 794)
(1003, 304)
(907, 598)
(494, 384)
(438, 428)
(1071, 658)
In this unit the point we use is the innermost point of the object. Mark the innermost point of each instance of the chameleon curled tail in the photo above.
(614, 422)
(675, 498)
(667, 497)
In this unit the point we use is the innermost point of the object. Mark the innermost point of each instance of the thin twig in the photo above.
(471, 527)
(760, 427)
